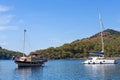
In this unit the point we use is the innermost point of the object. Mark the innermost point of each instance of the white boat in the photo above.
(28, 61)
(99, 56)
(99, 60)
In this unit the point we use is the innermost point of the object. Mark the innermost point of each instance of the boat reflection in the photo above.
(101, 71)
(27, 72)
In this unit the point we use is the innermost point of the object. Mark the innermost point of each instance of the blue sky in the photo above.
(53, 22)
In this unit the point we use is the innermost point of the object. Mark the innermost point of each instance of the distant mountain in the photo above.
(8, 54)
(82, 48)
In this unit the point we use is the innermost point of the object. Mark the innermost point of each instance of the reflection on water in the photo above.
(102, 71)
(28, 73)
(60, 70)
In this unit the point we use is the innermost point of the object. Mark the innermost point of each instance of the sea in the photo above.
(60, 70)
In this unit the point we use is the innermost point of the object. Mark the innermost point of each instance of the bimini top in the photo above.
(97, 53)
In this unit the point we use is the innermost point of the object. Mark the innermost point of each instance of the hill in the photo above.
(82, 48)
(107, 33)
(8, 54)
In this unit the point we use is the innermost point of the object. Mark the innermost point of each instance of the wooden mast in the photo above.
(24, 43)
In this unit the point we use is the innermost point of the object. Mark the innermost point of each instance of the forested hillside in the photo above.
(82, 48)
(8, 54)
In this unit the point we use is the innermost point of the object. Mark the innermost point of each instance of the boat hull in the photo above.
(28, 64)
(99, 62)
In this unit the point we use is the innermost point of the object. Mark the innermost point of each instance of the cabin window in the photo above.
(90, 58)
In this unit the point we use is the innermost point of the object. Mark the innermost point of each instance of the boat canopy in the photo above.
(97, 53)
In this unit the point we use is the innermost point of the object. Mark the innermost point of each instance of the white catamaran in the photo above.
(27, 61)
(99, 58)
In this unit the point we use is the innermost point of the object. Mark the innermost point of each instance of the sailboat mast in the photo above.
(24, 43)
(101, 25)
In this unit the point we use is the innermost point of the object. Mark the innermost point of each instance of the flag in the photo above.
(25, 30)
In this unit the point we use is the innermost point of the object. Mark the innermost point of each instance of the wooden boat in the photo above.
(27, 61)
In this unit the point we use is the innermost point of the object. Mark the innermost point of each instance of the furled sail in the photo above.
(97, 53)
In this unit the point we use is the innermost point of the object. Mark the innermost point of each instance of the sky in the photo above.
(52, 23)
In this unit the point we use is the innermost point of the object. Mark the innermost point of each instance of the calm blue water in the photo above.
(60, 70)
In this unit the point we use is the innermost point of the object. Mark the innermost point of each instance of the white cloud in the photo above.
(4, 8)
(3, 28)
(6, 23)
(5, 19)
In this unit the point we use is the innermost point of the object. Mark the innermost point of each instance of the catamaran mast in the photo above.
(101, 25)
(24, 43)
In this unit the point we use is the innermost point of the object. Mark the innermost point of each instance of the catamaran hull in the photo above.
(99, 62)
